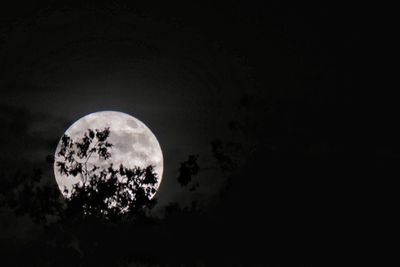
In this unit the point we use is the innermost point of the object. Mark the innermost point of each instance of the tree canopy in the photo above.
(106, 192)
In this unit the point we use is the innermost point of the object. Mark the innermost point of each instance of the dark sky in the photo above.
(64, 64)
(274, 78)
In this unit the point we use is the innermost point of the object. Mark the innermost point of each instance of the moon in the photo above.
(134, 145)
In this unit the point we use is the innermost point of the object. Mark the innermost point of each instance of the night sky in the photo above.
(267, 85)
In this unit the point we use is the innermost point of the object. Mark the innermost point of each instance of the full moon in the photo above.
(134, 144)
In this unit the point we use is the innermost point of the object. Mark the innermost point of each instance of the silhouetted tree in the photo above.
(188, 169)
(26, 194)
(105, 192)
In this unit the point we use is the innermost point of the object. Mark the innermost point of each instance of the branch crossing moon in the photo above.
(134, 145)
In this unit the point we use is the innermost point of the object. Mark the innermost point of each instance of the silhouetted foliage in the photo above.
(221, 153)
(25, 195)
(105, 192)
(76, 154)
(188, 169)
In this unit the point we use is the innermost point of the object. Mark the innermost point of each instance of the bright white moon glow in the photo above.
(133, 144)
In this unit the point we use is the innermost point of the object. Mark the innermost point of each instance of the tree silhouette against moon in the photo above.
(106, 192)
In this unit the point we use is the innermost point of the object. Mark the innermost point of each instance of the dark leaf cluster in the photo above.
(115, 192)
(73, 156)
(26, 194)
(188, 169)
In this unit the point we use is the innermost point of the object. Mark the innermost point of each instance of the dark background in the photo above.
(262, 92)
